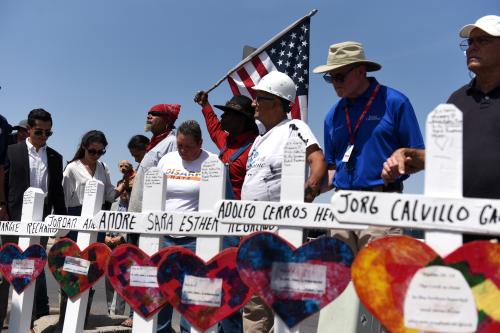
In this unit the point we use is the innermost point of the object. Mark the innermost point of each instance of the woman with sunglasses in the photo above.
(86, 166)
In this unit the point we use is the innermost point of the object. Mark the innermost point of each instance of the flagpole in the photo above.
(263, 47)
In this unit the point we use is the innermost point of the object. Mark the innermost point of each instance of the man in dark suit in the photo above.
(31, 163)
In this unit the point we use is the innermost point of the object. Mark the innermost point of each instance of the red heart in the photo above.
(95, 255)
(382, 272)
(34, 255)
(180, 263)
(146, 301)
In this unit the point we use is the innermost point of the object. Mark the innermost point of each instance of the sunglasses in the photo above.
(339, 78)
(479, 41)
(263, 98)
(40, 132)
(95, 152)
(156, 113)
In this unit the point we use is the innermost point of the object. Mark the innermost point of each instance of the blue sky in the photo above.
(102, 64)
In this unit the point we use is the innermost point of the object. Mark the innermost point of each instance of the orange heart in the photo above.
(382, 272)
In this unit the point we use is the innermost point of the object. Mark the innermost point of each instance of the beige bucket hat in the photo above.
(344, 54)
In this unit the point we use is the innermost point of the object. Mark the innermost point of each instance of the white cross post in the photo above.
(22, 304)
(443, 176)
(29, 230)
(155, 194)
(441, 212)
(92, 203)
(292, 190)
(212, 189)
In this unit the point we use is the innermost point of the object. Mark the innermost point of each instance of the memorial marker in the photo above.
(22, 304)
(212, 189)
(155, 194)
(439, 299)
(92, 202)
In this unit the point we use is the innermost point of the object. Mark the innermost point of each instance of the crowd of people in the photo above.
(372, 142)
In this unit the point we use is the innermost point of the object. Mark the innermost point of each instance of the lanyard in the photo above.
(352, 134)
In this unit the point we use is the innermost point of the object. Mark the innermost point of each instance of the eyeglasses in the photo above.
(263, 98)
(95, 152)
(479, 41)
(40, 132)
(156, 113)
(339, 78)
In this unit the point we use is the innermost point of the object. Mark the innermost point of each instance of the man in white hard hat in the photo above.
(479, 100)
(274, 93)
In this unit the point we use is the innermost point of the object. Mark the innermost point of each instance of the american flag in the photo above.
(287, 52)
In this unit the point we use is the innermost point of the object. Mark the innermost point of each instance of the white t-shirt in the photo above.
(263, 177)
(183, 181)
(76, 175)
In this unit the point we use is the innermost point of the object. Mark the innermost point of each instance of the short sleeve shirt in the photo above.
(389, 124)
(183, 181)
(263, 178)
(481, 140)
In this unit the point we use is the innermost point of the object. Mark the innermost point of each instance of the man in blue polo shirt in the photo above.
(365, 126)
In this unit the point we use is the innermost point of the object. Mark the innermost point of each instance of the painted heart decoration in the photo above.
(295, 283)
(76, 270)
(20, 268)
(144, 299)
(383, 271)
(203, 292)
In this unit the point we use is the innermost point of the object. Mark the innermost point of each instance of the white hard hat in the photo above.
(278, 84)
(489, 24)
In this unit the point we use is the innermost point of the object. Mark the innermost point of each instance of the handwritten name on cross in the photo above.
(441, 212)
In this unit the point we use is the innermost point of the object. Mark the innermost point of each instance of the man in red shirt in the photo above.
(233, 135)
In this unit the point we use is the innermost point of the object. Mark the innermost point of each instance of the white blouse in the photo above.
(76, 175)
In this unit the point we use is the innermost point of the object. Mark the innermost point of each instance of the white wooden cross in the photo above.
(29, 230)
(441, 212)
(92, 203)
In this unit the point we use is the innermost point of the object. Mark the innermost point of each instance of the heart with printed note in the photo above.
(203, 292)
(410, 288)
(295, 283)
(76, 270)
(124, 269)
(20, 267)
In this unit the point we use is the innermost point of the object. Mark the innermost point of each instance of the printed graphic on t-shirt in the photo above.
(183, 174)
(251, 159)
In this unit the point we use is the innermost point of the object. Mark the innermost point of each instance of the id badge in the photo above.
(348, 153)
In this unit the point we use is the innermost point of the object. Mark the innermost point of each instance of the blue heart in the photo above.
(258, 253)
(10, 252)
